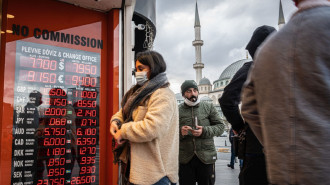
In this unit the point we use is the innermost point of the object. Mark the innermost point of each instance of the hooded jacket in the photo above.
(286, 100)
(231, 96)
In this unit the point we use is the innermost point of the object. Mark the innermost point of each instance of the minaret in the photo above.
(281, 20)
(197, 43)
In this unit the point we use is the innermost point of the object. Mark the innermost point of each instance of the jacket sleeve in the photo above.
(216, 126)
(161, 107)
(249, 107)
(117, 117)
(231, 98)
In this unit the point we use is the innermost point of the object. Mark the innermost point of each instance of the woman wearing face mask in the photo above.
(147, 126)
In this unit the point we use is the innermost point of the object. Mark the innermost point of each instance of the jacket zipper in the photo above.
(192, 117)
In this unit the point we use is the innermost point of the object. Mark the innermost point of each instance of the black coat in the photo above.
(229, 102)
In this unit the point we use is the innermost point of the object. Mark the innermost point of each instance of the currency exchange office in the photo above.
(63, 69)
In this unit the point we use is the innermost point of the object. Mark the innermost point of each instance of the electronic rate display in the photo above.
(56, 116)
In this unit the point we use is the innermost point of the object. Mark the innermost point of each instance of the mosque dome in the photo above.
(230, 71)
(228, 74)
(204, 81)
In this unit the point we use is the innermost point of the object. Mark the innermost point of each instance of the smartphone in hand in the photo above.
(195, 124)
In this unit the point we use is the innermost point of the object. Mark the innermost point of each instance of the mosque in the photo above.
(212, 92)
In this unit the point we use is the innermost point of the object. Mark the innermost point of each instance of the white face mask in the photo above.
(190, 103)
(141, 77)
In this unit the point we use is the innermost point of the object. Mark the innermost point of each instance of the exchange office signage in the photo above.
(56, 116)
(58, 36)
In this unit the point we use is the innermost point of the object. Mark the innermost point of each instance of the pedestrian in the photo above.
(199, 123)
(147, 126)
(286, 98)
(233, 139)
(232, 149)
(249, 148)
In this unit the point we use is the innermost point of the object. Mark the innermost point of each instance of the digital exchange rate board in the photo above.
(56, 116)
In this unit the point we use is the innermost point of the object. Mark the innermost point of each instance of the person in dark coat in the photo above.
(254, 168)
(232, 150)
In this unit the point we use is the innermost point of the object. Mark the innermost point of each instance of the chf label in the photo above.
(21, 99)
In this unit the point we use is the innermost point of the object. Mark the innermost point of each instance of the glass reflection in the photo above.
(56, 129)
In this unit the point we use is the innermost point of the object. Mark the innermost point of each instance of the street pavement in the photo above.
(224, 174)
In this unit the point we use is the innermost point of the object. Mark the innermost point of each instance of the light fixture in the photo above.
(9, 31)
(9, 16)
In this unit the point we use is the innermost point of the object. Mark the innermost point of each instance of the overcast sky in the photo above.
(226, 28)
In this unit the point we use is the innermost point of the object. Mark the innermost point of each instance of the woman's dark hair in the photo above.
(152, 59)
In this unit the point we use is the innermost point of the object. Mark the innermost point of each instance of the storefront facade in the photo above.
(63, 70)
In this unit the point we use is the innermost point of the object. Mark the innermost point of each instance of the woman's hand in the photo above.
(114, 127)
(116, 133)
(119, 138)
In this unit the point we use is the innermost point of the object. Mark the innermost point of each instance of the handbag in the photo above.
(235, 144)
(242, 143)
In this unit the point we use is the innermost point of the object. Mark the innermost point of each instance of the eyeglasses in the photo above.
(133, 72)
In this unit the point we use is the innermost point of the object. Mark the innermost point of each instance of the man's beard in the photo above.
(193, 98)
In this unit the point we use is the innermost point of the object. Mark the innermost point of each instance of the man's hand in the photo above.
(114, 127)
(185, 129)
(197, 132)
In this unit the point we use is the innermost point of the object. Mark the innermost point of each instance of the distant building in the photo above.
(212, 92)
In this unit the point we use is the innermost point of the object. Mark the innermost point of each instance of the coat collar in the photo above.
(308, 4)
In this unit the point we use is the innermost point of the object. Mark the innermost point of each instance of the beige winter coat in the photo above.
(154, 138)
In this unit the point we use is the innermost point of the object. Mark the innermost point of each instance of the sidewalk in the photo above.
(224, 174)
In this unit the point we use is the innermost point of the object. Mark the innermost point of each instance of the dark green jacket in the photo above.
(202, 146)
